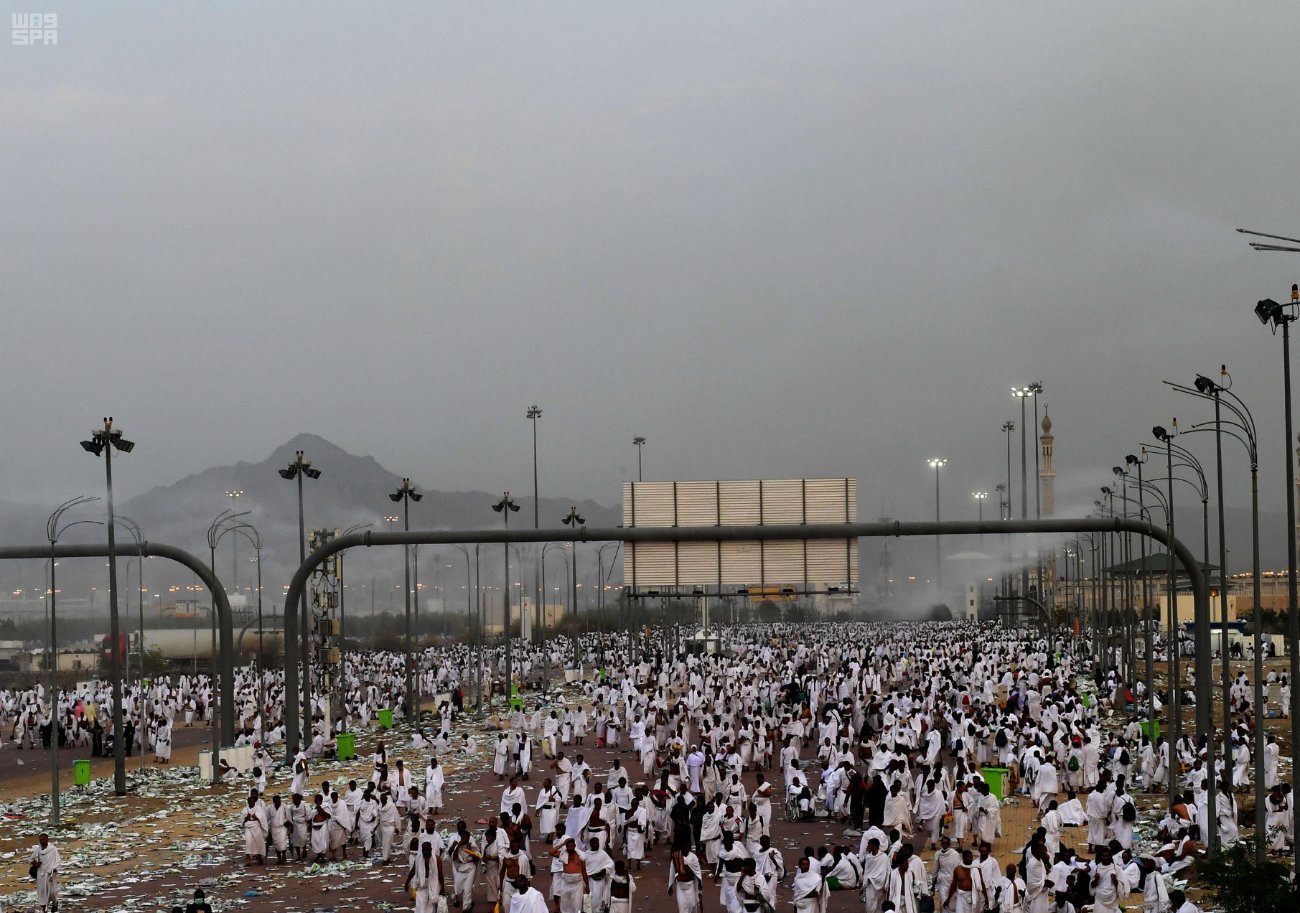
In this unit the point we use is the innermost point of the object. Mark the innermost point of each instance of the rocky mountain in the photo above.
(351, 490)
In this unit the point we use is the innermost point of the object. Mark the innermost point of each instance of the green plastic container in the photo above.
(386, 718)
(994, 777)
(347, 745)
(81, 773)
(1151, 730)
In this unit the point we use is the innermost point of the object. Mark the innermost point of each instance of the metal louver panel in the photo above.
(740, 563)
(655, 564)
(739, 501)
(782, 501)
(697, 504)
(799, 564)
(827, 501)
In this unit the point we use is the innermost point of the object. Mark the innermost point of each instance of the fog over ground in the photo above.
(776, 240)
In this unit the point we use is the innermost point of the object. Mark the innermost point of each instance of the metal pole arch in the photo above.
(896, 529)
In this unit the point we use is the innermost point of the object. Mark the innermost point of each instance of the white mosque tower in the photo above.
(1046, 473)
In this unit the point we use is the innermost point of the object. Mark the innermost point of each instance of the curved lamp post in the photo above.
(52, 532)
(1241, 426)
(1270, 312)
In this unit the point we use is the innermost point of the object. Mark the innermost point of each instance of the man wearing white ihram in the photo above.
(45, 869)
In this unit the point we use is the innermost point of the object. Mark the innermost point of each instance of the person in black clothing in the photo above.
(199, 904)
(97, 739)
(857, 799)
(876, 795)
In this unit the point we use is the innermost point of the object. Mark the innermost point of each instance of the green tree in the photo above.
(768, 612)
(1242, 885)
(797, 612)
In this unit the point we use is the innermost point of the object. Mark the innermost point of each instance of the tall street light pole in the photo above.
(506, 506)
(936, 465)
(298, 468)
(1270, 312)
(234, 494)
(1242, 427)
(138, 535)
(1173, 639)
(404, 495)
(104, 441)
(1022, 393)
(469, 603)
(1148, 630)
(343, 589)
(1035, 389)
(249, 532)
(533, 414)
(573, 520)
(52, 532)
(1009, 578)
(638, 442)
(216, 531)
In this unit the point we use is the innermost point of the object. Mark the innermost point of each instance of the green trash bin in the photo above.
(347, 745)
(1150, 729)
(81, 773)
(386, 718)
(994, 777)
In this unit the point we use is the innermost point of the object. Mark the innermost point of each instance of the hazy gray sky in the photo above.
(776, 239)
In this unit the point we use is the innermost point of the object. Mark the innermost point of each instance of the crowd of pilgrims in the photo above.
(885, 728)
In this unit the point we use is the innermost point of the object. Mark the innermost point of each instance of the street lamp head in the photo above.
(1035, 388)
(416, 496)
(311, 473)
(1269, 311)
(121, 444)
(94, 447)
(1008, 426)
(289, 473)
(1105, 489)
(1118, 470)
(638, 440)
(395, 496)
(1132, 459)
(1160, 434)
(936, 463)
(1205, 386)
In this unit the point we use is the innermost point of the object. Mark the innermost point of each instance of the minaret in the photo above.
(1047, 474)
(1047, 485)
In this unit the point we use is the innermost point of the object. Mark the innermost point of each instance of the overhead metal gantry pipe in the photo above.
(896, 529)
(226, 644)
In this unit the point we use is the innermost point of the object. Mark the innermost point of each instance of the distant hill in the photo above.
(351, 489)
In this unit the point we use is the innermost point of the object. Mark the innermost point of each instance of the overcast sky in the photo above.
(776, 239)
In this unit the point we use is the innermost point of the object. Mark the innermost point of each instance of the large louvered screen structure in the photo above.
(799, 566)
